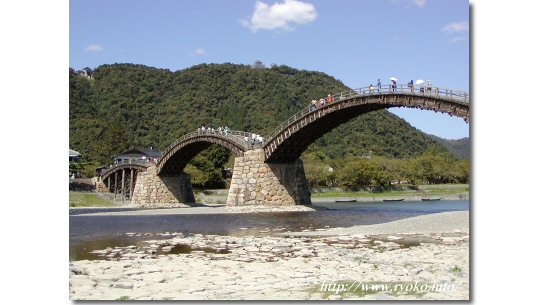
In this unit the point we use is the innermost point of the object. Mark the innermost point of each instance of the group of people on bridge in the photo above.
(142, 160)
(423, 88)
(254, 139)
(316, 104)
(223, 130)
(427, 87)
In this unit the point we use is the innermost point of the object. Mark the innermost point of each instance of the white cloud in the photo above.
(420, 3)
(94, 48)
(280, 15)
(200, 52)
(456, 27)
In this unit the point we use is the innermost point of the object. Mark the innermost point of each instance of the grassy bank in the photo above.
(423, 190)
(88, 199)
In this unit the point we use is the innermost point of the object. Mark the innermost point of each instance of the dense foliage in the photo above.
(461, 148)
(127, 104)
(432, 167)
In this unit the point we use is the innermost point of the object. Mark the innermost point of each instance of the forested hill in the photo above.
(460, 148)
(127, 104)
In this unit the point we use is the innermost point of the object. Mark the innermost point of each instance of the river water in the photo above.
(87, 233)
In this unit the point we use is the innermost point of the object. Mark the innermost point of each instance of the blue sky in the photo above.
(354, 41)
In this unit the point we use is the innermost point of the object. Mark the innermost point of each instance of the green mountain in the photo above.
(460, 148)
(128, 104)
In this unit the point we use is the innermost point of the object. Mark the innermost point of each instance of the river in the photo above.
(87, 232)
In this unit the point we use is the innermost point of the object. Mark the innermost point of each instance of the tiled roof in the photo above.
(73, 153)
(142, 151)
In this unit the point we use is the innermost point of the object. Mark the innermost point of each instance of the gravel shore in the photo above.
(330, 265)
(431, 223)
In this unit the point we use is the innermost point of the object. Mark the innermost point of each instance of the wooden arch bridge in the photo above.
(180, 153)
(270, 171)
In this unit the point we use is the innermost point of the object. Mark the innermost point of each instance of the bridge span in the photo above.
(291, 138)
(120, 178)
(180, 153)
(269, 171)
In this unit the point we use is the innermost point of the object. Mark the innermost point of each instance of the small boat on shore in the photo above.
(431, 199)
(392, 200)
(346, 200)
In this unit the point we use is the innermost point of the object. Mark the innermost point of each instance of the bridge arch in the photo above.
(183, 150)
(115, 168)
(121, 178)
(293, 137)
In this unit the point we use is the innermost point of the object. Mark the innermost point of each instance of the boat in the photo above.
(392, 200)
(346, 200)
(431, 199)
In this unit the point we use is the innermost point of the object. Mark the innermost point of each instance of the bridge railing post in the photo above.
(122, 185)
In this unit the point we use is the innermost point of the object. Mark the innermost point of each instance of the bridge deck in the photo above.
(458, 96)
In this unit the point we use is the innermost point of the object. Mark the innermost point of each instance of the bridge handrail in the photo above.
(230, 134)
(422, 90)
(124, 162)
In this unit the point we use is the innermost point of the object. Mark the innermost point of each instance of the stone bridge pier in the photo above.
(152, 190)
(255, 182)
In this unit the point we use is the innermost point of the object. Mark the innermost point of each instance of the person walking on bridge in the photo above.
(329, 99)
(378, 85)
(313, 105)
(410, 85)
(371, 88)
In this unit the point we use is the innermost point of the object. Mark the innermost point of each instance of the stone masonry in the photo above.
(100, 186)
(152, 190)
(257, 183)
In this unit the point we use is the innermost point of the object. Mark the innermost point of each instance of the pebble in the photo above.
(123, 285)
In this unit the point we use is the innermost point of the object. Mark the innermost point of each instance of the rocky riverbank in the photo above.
(337, 265)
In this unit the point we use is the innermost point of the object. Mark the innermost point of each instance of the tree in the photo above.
(382, 175)
(116, 139)
(218, 155)
(157, 106)
(357, 173)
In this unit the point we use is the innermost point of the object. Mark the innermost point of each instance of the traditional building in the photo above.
(100, 170)
(74, 156)
(136, 154)
(86, 73)
(75, 169)
(258, 64)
